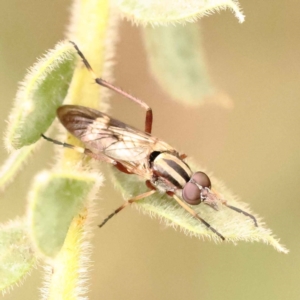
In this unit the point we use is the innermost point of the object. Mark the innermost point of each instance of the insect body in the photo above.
(133, 151)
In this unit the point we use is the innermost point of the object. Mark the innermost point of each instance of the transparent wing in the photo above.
(101, 133)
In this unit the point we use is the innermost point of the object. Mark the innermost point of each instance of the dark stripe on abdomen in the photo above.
(172, 168)
(174, 165)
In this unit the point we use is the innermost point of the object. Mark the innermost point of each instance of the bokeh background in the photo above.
(254, 148)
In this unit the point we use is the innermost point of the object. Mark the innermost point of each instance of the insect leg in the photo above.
(100, 81)
(195, 215)
(242, 212)
(150, 185)
(134, 199)
(66, 145)
(224, 202)
(183, 156)
(82, 150)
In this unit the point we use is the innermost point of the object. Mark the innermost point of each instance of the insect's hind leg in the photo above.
(100, 81)
(131, 200)
(65, 145)
(82, 150)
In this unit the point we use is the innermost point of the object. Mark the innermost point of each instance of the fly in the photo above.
(133, 151)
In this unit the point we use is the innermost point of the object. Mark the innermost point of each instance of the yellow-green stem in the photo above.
(89, 28)
(64, 281)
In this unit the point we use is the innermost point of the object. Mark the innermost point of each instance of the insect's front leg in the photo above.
(224, 202)
(196, 215)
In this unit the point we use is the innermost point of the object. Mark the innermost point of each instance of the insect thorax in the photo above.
(170, 171)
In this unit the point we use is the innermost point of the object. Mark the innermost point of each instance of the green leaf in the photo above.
(232, 225)
(16, 255)
(55, 199)
(170, 11)
(40, 94)
(177, 61)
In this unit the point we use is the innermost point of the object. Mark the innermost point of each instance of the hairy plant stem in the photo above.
(89, 30)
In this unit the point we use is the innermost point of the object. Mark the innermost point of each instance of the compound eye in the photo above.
(201, 179)
(191, 194)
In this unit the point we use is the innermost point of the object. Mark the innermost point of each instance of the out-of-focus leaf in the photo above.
(40, 94)
(171, 11)
(16, 255)
(55, 199)
(177, 61)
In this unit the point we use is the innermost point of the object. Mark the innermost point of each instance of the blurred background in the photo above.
(254, 148)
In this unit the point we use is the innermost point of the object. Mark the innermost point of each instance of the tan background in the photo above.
(254, 149)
